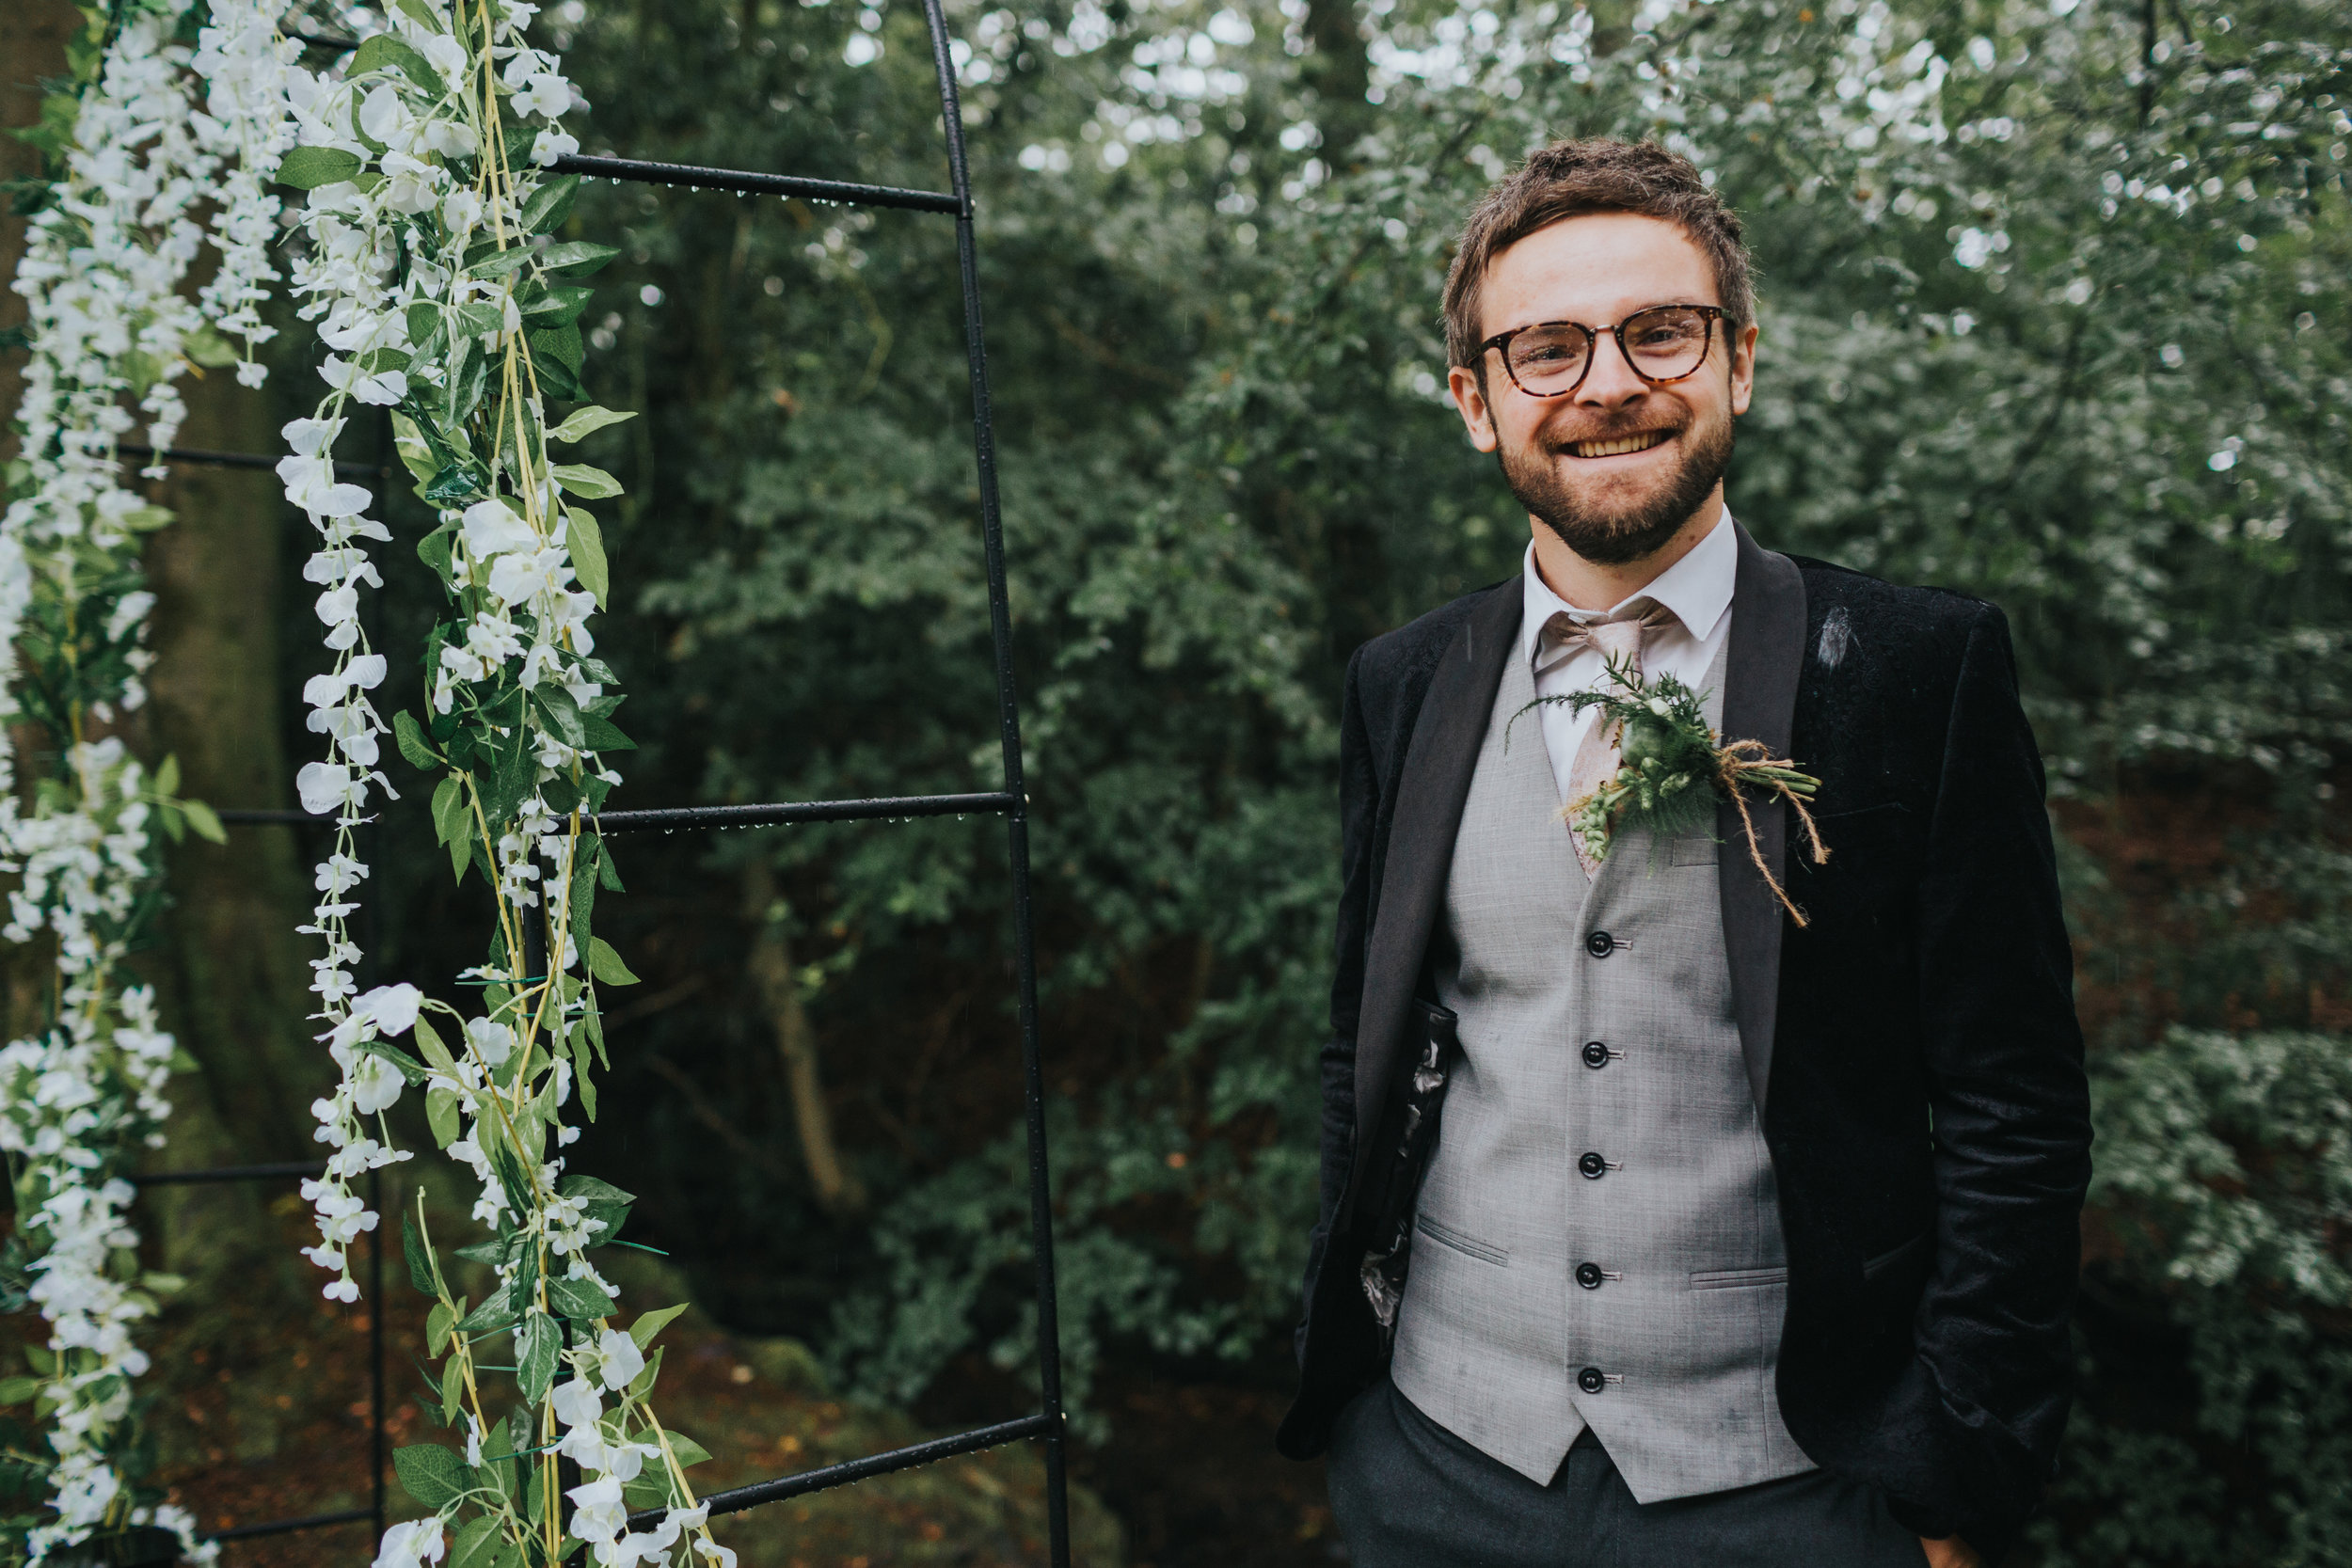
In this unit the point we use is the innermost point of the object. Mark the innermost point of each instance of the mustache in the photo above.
(1615, 431)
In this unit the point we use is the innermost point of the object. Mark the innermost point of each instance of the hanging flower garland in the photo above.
(443, 297)
(82, 1099)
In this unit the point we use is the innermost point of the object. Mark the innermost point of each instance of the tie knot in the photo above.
(1617, 640)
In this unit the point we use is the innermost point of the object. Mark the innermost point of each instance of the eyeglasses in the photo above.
(1663, 344)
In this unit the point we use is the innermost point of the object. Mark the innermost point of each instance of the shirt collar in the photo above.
(1697, 589)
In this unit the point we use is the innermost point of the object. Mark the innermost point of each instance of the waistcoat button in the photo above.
(1600, 944)
(1588, 1275)
(1591, 1165)
(1595, 1053)
(1591, 1380)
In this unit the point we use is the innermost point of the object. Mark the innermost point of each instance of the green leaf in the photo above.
(16, 1390)
(497, 1312)
(305, 168)
(478, 1543)
(209, 349)
(384, 360)
(410, 1069)
(650, 1324)
(605, 965)
(433, 1475)
(561, 712)
(429, 1041)
(578, 1299)
(441, 1115)
(413, 745)
(453, 1384)
(585, 541)
(578, 257)
(384, 50)
(550, 205)
(451, 820)
(500, 263)
(479, 317)
(581, 480)
(561, 344)
(202, 818)
(167, 779)
(438, 1324)
(535, 1347)
(421, 14)
(643, 1384)
(583, 420)
(412, 1247)
(686, 1451)
(605, 735)
(558, 305)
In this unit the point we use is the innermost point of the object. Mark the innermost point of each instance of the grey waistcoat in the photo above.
(1682, 1327)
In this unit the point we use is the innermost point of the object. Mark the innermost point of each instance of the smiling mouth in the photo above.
(1619, 446)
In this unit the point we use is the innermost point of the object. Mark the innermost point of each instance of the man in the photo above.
(1664, 1222)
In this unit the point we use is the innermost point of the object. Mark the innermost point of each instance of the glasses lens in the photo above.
(1667, 342)
(1549, 359)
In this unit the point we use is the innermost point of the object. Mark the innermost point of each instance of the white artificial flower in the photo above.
(376, 1085)
(410, 1543)
(576, 1404)
(618, 1359)
(491, 1041)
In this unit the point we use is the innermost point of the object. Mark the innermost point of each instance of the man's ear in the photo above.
(1743, 368)
(1470, 400)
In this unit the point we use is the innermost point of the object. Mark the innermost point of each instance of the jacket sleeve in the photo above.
(2009, 1105)
(1359, 805)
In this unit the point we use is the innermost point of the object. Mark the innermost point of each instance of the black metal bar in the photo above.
(668, 818)
(849, 1470)
(228, 1173)
(204, 458)
(287, 1527)
(1016, 820)
(698, 178)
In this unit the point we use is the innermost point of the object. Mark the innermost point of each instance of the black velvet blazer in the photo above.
(1914, 1048)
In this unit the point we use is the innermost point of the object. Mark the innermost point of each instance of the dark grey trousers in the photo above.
(1409, 1494)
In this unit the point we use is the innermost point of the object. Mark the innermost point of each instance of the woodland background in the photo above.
(2054, 312)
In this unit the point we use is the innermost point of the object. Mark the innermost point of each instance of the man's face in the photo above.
(1561, 454)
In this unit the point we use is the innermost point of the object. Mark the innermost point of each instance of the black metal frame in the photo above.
(1012, 802)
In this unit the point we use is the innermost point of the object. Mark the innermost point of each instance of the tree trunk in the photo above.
(838, 1191)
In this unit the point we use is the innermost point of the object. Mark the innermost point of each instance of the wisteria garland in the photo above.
(106, 258)
(442, 296)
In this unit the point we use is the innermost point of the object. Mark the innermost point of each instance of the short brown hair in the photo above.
(1597, 175)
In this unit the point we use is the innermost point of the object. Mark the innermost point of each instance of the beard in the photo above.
(1611, 535)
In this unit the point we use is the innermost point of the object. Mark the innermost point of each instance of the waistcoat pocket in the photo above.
(1738, 1279)
(1447, 1236)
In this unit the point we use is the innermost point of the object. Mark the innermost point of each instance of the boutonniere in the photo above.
(1675, 768)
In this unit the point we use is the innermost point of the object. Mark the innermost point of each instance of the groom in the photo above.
(1663, 1225)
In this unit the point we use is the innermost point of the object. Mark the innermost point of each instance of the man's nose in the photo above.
(1611, 383)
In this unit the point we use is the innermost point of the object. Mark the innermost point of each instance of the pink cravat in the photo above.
(1619, 642)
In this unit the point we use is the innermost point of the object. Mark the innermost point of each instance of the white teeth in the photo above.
(1617, 447)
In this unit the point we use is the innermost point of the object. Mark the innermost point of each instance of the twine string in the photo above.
(1750, 762)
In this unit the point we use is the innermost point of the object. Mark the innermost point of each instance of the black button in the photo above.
(1595, 1053)
(1600, 944)
(1588, 1275)
(1591, 1165)
(1591, 1380)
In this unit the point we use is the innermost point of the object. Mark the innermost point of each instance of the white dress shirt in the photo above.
(1697, 589)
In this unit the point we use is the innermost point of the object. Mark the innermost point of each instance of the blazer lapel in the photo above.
(1439, 762)
(1760, 671)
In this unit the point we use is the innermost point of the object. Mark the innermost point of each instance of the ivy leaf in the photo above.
(305, 168)
(550, 205)
(535, 1347)
(432, 1475)
(585, 541)
(581, 480)
(605, 965)
(413, 744)
(583, 420)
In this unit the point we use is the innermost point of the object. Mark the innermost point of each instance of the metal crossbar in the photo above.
(1012, 802)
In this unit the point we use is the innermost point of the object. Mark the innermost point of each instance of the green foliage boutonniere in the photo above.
(1671, 757)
